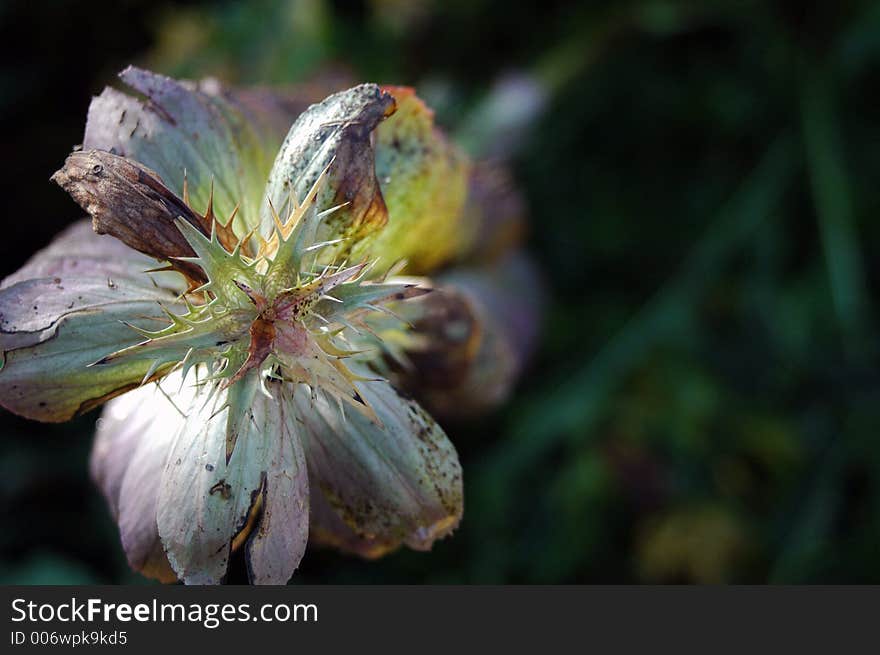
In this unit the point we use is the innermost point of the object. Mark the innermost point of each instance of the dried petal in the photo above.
(128, 201)
(473, 337)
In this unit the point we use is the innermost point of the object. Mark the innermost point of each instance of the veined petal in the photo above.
(131, 447)
(336, 130)
(398, 481)
(424, 180)
(183, 128)
(53, 328)
(275, 548)
(205, 502)
(53, 380)
(78, 248)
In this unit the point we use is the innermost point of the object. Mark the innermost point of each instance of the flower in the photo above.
(257, 352)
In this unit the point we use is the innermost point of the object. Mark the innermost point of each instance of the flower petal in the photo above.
(116, 437)
(423, 178)
(65, 255)
(473, 336)
(336, 130)
(129, 454)
(277, 545)
(273, 109)
(180, 127)
(326, 528)
(398, 481)
(495, 213)
(129, 201)
(205, 502)
(53, 328)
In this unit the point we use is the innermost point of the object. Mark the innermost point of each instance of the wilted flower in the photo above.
(265, 358)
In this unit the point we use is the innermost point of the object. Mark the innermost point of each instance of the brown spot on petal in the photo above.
(222, 488)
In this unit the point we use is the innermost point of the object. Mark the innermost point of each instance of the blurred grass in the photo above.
(833, 201)
(702, 184)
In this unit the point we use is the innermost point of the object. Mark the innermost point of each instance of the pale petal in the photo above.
(336, 130)
(129, 454)
(116, 437)
(398, 481)
(277, 545)
(78, 248)
(181, 128)
(53, 328)
(205, 502)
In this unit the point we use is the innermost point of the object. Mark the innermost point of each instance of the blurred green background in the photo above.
(702, 178)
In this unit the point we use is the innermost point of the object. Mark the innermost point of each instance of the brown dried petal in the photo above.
(130, 202)
(477, 330)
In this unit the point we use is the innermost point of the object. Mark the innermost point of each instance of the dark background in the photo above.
(703, 188)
